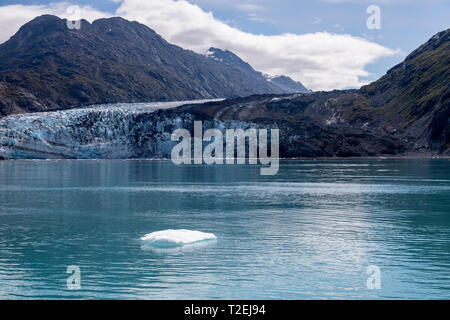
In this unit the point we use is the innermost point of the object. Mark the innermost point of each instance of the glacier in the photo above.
(118, 131)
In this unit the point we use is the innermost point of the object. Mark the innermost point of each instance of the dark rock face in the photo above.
(46, 66)
(306, 130)
(413, 97)
(289, 84)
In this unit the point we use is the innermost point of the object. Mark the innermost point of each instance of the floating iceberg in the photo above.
(175, 238)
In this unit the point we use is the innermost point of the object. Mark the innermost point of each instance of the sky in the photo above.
(325, 44)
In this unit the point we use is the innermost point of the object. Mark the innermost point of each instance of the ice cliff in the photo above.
(117, 131)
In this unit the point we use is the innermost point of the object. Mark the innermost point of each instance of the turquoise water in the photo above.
(308, 233)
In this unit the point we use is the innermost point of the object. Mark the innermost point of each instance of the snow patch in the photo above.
(269, 77)
(209, 54)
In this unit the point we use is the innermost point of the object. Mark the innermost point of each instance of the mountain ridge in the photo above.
(283, 83)
(45, 66)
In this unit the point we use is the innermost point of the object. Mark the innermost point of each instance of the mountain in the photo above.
(409, 108)
(46, 66)
(413, 99)
(405, 112)
(281, 84)
(288, 84)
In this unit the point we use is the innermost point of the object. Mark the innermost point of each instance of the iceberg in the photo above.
(176, 238)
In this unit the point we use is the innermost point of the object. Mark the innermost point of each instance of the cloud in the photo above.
(243, 5)
(321, 61)
(250, 7)
(12, 17)
(387, 2)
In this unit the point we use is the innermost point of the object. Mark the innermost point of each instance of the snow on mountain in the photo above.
(278, 83)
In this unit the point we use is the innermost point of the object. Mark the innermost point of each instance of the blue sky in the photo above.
(405, 24)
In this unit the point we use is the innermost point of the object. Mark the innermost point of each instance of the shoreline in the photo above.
(388, 157)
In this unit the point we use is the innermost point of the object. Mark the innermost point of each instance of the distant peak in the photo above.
(209, 52)
(213, 49)
(225, 56)
(49, 19)
(40, 25)
(228, 58)
(268, 76)
(46, 17)
(212, 52)
(122, 26)
(113, 20)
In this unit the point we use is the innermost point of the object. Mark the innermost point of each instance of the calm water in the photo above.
(309, 232)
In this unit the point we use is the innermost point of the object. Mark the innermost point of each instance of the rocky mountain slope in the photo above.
(413, 99)
(279, 83)
(46, 66)
(409, 107)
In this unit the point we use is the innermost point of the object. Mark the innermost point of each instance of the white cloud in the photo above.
(321, 61)
(383, 2)
(368, 1)
(12, 17)
(250, 7)
(244, 5)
